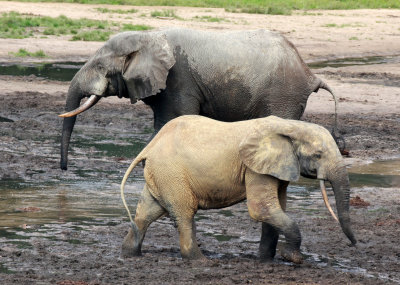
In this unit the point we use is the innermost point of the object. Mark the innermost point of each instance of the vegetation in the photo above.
(351, 25)
(24, 53)
(116, 11)
(282, 7)
(210, 19)
(165, 13)
(99, 36)
(18, 26)
(130, 27)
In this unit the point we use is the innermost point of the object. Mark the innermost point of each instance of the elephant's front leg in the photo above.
(169, 105)
(148, 210)
(269, 234)
(264, 205)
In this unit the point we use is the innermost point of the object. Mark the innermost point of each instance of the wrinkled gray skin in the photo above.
(253, 160)
(229, 76)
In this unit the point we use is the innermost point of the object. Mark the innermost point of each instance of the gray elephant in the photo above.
(228, 76)
(253, 160)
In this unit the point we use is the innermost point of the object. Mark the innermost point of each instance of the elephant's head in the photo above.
(134, 65)
(286, 149)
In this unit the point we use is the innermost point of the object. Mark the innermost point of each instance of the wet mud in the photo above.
(66, 227)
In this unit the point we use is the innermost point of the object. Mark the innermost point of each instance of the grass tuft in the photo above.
(116, 11)
(24, 53)
(98, 36)
(130, 27)
(169, 13)
(210, 19)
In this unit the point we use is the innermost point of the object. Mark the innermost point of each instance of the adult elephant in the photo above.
(228, 76)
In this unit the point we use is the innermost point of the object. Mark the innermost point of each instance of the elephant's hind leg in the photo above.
(182, 207)
(187, 238)
(148, 210)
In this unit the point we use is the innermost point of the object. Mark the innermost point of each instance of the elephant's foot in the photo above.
(292, 255)
(127, 251)
(267, 254)
(266, 259)
(193, 253)
(131, 246)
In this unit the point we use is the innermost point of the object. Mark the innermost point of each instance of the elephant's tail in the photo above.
(335, 131)
(325, 86)
(135, 162)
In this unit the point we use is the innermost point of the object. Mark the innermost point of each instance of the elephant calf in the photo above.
(198, 163)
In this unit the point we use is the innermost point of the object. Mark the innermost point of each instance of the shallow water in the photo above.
(350, 61)
(62, 71)
(28, 203)
(32, 210)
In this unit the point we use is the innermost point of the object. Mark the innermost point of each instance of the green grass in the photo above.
(210, 19)
(18, 26)
(282, 7)
(165, 13)
(130, 27)
(351, 25)
(24, 53)
(116, 11)
(273, 9)
(98, 36)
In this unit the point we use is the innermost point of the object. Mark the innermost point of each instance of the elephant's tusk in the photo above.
(325, 196)
(93, 99)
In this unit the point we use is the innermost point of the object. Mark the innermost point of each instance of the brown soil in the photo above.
(369, 121)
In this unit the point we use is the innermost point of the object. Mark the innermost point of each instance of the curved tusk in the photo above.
(325, 196)
(93, 99)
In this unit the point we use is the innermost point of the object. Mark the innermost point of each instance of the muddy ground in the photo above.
(369, 98)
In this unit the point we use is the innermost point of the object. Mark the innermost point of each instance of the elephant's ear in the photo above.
(146, 68)
(271, 154)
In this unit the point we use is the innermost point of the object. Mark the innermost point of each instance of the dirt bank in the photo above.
(80, 253)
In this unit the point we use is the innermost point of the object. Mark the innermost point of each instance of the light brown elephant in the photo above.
(198, 163)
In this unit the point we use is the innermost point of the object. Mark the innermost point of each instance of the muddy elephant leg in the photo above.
(264, 205)
(182, 208)
(269, 234)
(187, 238)
(148, 210)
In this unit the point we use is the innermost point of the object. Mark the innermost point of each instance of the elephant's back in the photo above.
(242, 74)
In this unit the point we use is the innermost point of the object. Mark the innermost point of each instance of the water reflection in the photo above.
(380, 173)
(62, 71)
(22, 204)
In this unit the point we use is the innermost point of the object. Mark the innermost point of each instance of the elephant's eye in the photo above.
(317, 156)
(101, 68)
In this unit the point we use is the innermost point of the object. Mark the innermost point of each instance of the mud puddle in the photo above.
(351, 61)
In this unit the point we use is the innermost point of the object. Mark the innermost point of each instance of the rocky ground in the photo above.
(369, 107)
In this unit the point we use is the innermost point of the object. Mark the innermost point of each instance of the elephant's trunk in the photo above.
(339, 180)
(73, 101)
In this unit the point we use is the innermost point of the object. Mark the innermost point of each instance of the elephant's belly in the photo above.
(215, 197)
